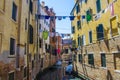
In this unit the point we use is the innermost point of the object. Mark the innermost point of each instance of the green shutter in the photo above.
(103, 60)
(90, 59)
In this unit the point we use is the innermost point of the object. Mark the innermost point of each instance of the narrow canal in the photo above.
(56, 73)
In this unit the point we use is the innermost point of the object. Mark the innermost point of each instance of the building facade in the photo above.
(18, 44)
(96, 35)
(12, 40)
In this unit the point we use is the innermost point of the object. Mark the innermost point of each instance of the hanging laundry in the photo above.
(47, 17)
(97, 16)
(59, 17)
(112, 9)
(83, 16)
(64, 17)
(78, 17)
(62, 35)
(71, 17)
(45, 35)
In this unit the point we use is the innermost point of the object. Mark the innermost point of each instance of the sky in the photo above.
(61, 8)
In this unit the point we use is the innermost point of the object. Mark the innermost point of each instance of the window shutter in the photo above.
(11, 76)
(14, 11)
(90, 59)
(90, 36)
(100, 32)
(30, 34)
(73, 29)
(12, 46)
(98, 6)
(103, 60)
(80, 57)
(31, 6)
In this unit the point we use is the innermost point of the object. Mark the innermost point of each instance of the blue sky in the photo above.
(61, 8)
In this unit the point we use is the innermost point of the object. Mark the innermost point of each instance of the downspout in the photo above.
(28, 40)
(18, 34)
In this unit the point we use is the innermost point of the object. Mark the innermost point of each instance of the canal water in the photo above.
(55, 73)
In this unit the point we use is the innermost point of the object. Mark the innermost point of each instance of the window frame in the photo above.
(80, 58)
(14, 11)
(9, 75)
(103, 55)
(90, 37)
(98, 10)
(99, 33)
(12, 47)
(89, 59)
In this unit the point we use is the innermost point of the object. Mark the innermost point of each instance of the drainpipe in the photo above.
(28, 40)
(18, 34)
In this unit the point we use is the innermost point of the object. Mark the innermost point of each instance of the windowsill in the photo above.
(103, 67)
(117, 71)
(11, 56)
(2, 11)
(14, 21)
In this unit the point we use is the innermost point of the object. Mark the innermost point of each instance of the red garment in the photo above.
(58, 51)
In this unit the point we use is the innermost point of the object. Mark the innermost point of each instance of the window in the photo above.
(73, 29)
(79, 41)
(40, 43)
(25, 48)
(31, 6)
(117, 61)
(26, 24)
(30, 34)
(77, 9)
(2, 5)
(74, 43)
(83, 40)
(12, 46)
(32, 64)
(79, 24)
(103, 60)
(89, 15)
(90, 36)
(66, 50)
(98, 6)
(34, 56)
(74, 57)
(11, 76)
(100, 32)
(25, 71)
(80, 57)
(0, 42)
(14, 12)
(46, 46)
(53, 30)
(90, 59)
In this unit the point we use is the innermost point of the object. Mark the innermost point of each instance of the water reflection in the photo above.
(54, 73)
